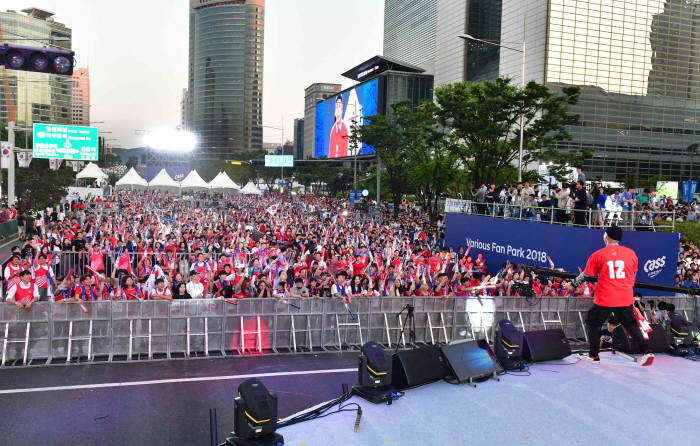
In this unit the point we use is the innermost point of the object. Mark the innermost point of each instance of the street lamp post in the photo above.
(522, 84)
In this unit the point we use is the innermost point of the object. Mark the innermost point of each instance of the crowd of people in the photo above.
(151, 245)
(582, 204)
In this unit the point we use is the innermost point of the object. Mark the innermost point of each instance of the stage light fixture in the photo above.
(255, 416)
(374, 375)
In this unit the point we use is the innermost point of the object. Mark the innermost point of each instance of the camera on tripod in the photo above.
(409, 308)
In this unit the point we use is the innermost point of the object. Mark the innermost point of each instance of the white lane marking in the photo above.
(174, 380)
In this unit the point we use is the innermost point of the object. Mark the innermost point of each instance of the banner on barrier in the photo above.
(530, 243)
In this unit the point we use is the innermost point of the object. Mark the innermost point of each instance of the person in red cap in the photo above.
(615, 266)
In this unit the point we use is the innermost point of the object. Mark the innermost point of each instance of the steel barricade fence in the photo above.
(76, 334)
(298, 329)
(140, 328)
(26, 333)
(135, 330)
(196, 327)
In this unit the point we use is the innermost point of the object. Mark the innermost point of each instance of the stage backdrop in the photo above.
(531, 242)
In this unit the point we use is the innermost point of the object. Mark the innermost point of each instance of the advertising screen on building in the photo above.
(335, 116)
(66, 142)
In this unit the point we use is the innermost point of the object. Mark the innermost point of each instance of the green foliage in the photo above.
(390, 137)
(690, 231)
(37, 186)
(133, 161)
(484, 121)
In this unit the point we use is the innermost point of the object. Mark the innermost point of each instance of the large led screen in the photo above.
(334, 118)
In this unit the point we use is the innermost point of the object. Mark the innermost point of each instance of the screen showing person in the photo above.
(338, 146)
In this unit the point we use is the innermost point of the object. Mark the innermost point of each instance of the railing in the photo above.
(637, 219)
(126, 331)
(8, 229)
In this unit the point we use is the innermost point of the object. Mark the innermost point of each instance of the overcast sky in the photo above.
(137, 54)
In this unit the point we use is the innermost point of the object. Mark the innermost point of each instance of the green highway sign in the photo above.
(66, 142)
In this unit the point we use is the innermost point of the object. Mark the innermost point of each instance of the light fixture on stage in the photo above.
(374, 375)
(255, 416)
(170, 140)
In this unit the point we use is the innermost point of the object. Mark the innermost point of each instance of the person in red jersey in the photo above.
(616, 267)
(24, 293)
(338, 146)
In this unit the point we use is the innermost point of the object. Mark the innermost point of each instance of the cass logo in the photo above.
(654, 267)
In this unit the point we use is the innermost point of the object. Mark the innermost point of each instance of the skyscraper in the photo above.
(27, 97)
(81, 96)
(638, 67)
(425, 33)
(409, 31)
(226, 75)
(299, 138)
(313, 94)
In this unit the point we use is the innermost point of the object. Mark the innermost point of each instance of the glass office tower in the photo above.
(410, 30)
(226, 75)
(638, 66)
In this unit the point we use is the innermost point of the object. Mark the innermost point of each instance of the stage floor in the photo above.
(167, 402)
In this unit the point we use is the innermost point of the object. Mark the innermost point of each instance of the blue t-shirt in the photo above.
(627, 196)
(602, 198)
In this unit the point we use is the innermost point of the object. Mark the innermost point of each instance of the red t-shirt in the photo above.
(615, 267)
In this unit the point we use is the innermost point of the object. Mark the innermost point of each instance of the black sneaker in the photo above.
(588, 357)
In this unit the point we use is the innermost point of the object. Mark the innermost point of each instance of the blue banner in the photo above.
(689, 188)
(530, 243)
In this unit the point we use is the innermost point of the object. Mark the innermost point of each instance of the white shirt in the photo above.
(11, 292)
(155, 292)
(337, 290)
(195, 290)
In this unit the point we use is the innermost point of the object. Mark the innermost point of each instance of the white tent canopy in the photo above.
(91, 171)
(163, 181)
(251, 189)
(193, 181)
(131, 179)
(223, 182)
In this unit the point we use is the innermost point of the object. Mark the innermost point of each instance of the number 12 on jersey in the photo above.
(617, 269)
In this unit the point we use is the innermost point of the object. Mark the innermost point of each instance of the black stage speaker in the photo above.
(546, 345)
(419, 366)
(471, 360)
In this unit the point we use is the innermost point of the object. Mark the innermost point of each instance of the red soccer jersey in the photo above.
(338, 146)
(615, 267)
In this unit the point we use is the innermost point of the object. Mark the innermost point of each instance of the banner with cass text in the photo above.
(531, 243)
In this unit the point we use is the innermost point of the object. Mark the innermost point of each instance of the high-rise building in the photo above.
(638, 67)
(27, 97)
(426, 33)
(313, 94)
(225, 82)
(410, 30)
(184, 108)
(299, 138)
(81, 96)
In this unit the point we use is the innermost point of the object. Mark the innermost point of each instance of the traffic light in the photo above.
(38, 59)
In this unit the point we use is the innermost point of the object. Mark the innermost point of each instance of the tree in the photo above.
(431, 152)
(484, 119)
(389, 137)
(37, 186)
(133, 161)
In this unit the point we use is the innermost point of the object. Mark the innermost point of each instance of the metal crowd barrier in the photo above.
(628, 219)
(130, 331)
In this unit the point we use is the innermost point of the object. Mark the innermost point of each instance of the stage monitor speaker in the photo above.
(419, 366)
(471, 360)
(546, 345)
